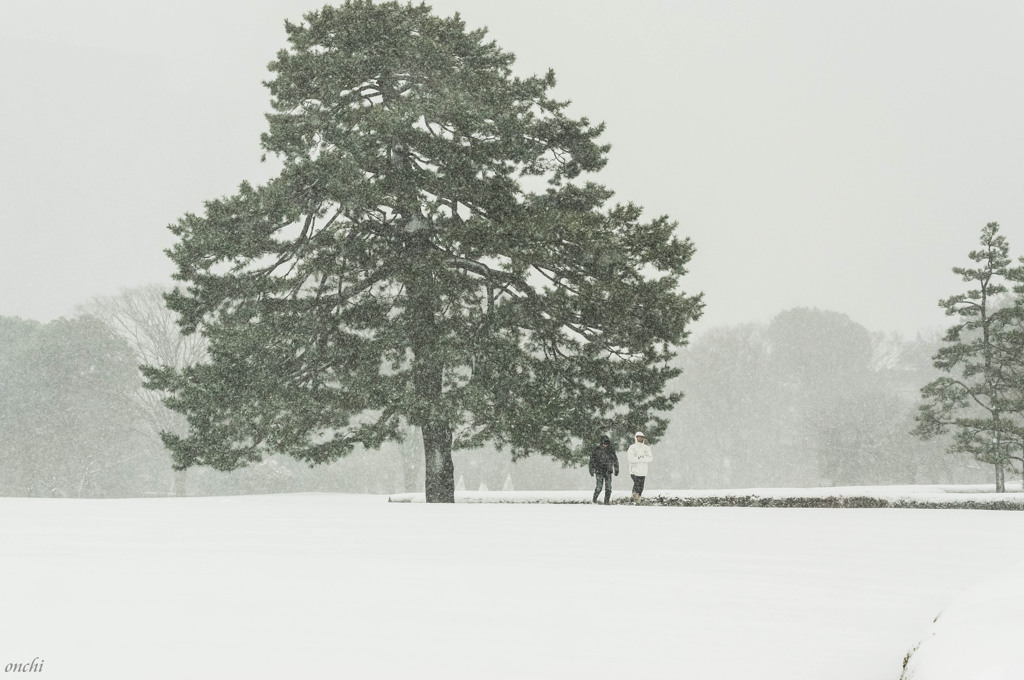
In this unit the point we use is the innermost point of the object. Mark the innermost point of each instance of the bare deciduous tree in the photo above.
(141, 318)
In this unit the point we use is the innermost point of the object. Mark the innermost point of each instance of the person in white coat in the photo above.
(639, 455)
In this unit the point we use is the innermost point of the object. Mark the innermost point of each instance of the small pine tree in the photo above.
(979, 398)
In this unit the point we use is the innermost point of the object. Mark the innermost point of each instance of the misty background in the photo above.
(831, 163)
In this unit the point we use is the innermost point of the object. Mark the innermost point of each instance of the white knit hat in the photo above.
(640, 434)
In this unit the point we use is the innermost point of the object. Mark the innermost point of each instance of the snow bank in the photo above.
(977, 636)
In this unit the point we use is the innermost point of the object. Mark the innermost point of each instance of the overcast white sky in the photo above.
(835, 155)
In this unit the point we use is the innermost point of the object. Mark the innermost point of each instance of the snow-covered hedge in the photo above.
(757, 501)
(925, 497)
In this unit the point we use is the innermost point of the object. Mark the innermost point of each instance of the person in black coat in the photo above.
(604, 463)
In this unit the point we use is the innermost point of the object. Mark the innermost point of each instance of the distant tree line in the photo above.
(69, 425)
(811, 398)
(75, 420)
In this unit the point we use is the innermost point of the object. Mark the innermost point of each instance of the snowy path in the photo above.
(322, 586)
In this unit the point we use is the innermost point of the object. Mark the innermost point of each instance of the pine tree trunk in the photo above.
(428, 377)
(439, 478)
(1000, 478)
(438, 468)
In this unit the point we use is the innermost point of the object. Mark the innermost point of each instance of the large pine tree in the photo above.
(428, 252)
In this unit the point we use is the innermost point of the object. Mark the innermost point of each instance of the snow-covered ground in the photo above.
(332, 586)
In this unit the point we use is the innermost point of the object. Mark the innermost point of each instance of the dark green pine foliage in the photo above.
(424, 255)
(980, 397)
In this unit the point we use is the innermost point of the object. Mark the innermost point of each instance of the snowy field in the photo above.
(334, 586)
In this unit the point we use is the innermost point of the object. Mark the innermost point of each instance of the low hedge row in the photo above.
(753, 501)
